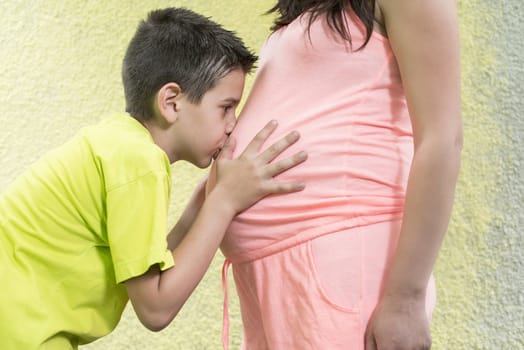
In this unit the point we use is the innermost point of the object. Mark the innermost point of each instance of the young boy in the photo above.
(83, 229)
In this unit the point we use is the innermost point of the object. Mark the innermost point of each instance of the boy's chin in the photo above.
(204, 163)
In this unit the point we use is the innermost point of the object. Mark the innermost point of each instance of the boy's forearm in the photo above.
(168, 290)
(194, 254)
(187, 218)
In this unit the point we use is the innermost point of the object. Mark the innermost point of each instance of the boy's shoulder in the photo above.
(119, 132)
(121, 139)
(123, 150)
(117, 124)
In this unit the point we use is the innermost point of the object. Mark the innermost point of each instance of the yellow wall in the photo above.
(60, 70)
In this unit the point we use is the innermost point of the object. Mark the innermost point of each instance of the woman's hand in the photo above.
(399, 323)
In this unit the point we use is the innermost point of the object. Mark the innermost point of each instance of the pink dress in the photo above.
(350, 109)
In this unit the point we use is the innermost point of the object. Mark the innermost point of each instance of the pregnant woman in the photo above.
(373, 87)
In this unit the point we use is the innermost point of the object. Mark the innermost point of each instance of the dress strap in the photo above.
(225, 317)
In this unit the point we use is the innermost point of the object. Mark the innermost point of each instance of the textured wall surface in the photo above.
(480, 269)
(60, 70)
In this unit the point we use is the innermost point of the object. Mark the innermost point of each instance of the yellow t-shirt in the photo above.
(81, 220)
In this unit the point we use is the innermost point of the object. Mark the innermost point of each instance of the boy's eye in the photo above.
(227, 108)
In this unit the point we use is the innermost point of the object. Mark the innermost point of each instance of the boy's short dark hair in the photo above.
(181, 46)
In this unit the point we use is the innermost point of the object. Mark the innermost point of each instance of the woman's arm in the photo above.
(425, 39)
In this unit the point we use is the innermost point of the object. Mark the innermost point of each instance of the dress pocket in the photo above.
(336, 262)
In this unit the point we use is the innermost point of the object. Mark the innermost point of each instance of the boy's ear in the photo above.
(167, 98)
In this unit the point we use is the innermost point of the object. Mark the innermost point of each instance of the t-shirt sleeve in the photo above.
(137, 225)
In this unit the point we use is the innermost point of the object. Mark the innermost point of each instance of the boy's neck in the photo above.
(162, 136)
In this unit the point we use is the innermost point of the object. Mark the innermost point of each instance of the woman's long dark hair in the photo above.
(289, 10)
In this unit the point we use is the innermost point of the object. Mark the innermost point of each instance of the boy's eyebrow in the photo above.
(231, 100)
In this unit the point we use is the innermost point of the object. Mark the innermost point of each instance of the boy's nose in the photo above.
(230, 126)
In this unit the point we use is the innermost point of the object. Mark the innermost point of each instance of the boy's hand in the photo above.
(248, 178)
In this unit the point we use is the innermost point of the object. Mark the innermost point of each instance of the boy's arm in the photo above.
(424, 37)
(188, 216)
(157, 296)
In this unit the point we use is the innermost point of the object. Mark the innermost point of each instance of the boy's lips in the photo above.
(219, 149)
(217, 152)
